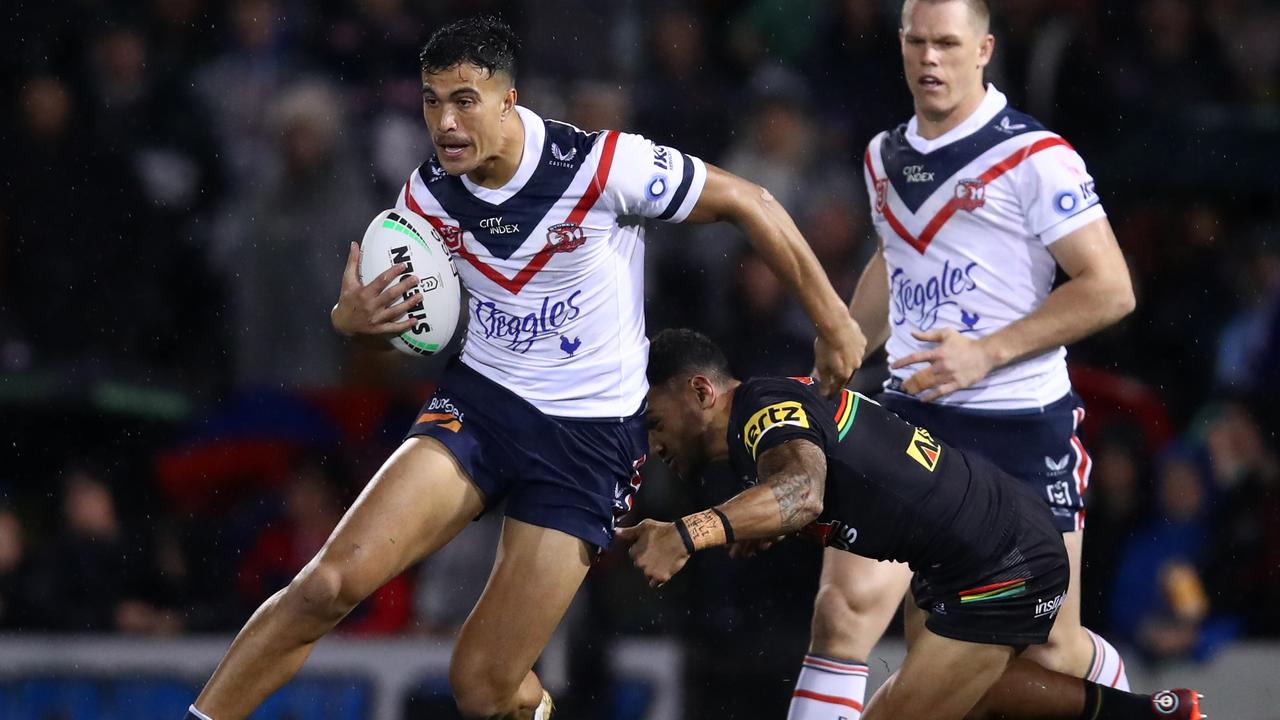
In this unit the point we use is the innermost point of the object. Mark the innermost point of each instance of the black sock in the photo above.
(1105, 703)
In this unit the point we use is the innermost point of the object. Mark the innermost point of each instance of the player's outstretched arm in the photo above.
(869, 305)
(1098, 294)
(775, 236)
(789, 496)
(365, 311)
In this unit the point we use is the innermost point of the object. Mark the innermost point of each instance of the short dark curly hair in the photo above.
(484, 41)
(680, 352)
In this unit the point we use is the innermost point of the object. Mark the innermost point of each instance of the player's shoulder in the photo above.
(1012, 122)
(641, 153)
(893, 134)
(757, 393)
(565, 140)
(764, 404)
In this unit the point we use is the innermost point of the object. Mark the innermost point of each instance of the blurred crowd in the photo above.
(182, 179)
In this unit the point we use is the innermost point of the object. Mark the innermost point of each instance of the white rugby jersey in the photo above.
(554, 261)
(966, 220)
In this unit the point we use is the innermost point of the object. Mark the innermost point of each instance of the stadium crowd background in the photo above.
(181, 179)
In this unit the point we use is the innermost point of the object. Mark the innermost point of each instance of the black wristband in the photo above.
(684, 536)
(728, 529)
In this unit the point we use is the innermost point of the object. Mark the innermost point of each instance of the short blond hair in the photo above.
(980, 8)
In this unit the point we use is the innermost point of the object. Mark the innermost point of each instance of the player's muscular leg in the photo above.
(941, 679)
(1028, 691)
(856, 599)
(536, 574)
(912, 619)
(416, 502)
(1069, 650)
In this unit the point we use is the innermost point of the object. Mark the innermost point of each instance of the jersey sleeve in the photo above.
(653, 181)
(1058, 194)
(777, 410)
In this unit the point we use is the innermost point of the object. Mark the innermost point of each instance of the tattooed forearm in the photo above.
(794, 498)
(796, 473)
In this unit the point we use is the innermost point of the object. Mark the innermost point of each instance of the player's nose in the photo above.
(448, 120)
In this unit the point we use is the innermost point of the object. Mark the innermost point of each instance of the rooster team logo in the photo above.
(452, 237)
(882, 188)
(971, 194)
(565, 238)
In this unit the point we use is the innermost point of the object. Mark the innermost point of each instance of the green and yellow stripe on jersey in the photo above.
(846, 412)
(1007, 588)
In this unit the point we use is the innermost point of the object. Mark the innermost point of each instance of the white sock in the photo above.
(196, 713)
(828, 689)
(1108, 666)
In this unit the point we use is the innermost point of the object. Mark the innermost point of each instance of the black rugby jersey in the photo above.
(893, 492)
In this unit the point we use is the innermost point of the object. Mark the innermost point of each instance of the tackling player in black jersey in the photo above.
(990, 568)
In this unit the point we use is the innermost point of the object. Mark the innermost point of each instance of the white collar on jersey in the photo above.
(991, 105)
(535, 134)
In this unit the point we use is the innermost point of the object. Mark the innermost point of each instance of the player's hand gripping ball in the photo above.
(395, 237)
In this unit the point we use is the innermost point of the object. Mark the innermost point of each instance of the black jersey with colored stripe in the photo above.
(893, 492)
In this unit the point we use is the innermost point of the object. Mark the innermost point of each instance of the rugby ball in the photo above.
(397, 237)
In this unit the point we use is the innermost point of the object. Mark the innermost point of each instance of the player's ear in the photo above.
(508, 102)
(703, 390)
(986, 49)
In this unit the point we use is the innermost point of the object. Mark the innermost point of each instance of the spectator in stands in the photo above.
(682, 98)
(17, 604)
(292, 251)
(858, 65)
(1248, 353)
(65, 198)
(1117, 495)
(161, 134)
(776, 145)
(1169, 64)
(766, 331)
(315, 497)
(1160, 599)
(766, 32)
(94, 576)
(1246, 547)
(241, 84)
(365, 44)
(1044, 53)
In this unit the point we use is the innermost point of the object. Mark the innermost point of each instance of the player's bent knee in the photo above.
(324, 592)
(480, 694)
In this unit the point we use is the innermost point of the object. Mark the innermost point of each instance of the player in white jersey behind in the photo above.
(976, 206)
(544, 407)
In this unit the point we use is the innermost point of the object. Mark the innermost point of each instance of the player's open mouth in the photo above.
(451, 150)
(930, 82)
